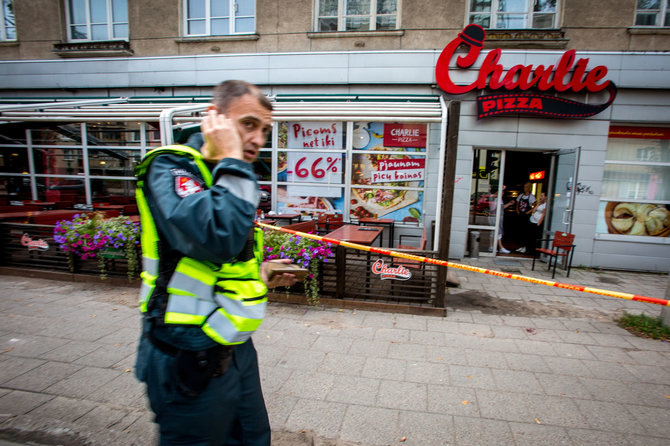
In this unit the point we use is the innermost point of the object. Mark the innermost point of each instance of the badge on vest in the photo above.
(185, 186)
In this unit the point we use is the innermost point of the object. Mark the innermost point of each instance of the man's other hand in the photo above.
(284, 279)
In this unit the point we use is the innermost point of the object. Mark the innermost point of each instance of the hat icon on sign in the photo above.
(473, 34)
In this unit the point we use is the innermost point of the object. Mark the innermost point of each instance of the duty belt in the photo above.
(223, 354)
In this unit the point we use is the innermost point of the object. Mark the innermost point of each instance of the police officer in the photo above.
(203, 280)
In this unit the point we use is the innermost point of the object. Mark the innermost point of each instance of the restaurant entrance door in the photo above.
(498, 178)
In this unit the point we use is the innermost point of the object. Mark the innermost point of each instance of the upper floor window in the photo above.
(653, 13)
(514, 14)
(219, 17)
(8, 28)
(356, 15)
(97, 19)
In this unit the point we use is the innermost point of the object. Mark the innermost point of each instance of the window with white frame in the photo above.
(356, 15)
(653, 13)
(8, 28)
(635, 197)
(514, 14)
(219, 17)
(96, 20)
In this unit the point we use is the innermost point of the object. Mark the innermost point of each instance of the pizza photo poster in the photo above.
(388, 170)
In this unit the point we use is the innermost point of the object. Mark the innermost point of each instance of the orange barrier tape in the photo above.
(476, 269)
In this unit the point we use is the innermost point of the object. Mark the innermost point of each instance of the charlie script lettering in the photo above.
(569, 74)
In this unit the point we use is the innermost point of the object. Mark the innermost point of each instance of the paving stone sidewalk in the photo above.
(549, 367)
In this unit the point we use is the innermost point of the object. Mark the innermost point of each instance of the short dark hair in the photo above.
(228, 91)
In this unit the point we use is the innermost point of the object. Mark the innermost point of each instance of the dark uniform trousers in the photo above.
(231, 410)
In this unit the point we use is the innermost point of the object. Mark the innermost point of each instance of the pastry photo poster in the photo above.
(634, 218)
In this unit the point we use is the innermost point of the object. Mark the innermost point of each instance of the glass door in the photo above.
(565, 170)
(484, 217)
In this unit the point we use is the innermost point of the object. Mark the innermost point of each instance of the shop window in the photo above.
(114, 133)
(514, 14)
(58, 161)
(653, 13)
(356, 15)
(8, 28)
(311, 167)
(117, 192)
(13, 160)
(219, 17)
(97, 20)
(635, 198)
(113, 162)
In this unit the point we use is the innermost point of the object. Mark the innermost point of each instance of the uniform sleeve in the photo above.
(206, 224)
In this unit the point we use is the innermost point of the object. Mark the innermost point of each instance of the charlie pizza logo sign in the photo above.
(568, 75)
(390, 272)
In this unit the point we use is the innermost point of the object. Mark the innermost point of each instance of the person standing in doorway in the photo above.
(524, 207)
(494, 202)
(536, 220)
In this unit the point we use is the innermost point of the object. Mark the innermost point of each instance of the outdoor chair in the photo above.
(326, 223)
(561, 246)
(403, 247)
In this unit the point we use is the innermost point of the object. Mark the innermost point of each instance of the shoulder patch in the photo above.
(185, 186)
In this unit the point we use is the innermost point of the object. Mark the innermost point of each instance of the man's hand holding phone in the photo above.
(222, 139)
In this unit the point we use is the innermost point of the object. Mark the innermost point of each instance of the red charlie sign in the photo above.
(569, 74)
(405, 135)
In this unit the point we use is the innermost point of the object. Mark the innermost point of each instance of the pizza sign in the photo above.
(314, 135)
(569, 74)
(396, 170)
(405, 135)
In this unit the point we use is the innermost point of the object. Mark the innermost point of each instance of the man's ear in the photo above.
(212, 107)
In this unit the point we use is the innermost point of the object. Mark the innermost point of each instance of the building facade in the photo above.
(607, 175)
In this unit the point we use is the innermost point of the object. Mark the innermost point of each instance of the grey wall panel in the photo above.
(563, 127)
(375, 67)
(641, 113)
(488, 139)
(642, 97)
(593, 157)
(214, 77)
(646, 62)
(566, 141)
(489, 125)
(631, 262)
(161, 78)
(646, 78)
(395, 75)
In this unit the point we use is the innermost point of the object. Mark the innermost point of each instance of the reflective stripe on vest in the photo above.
(221, 329)
(149, 243)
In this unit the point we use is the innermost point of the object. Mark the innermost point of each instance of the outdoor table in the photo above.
(109, 207)
(383, 222)
(363, 235)
(288, 217)
(269, 222)
(43, 205)
(38, 217)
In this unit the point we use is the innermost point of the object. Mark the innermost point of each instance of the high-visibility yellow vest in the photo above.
(226, 301)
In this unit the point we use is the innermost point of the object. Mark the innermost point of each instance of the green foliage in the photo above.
(302, 251)
(645, 326)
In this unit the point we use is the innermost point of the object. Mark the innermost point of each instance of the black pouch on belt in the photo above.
(195, 370)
